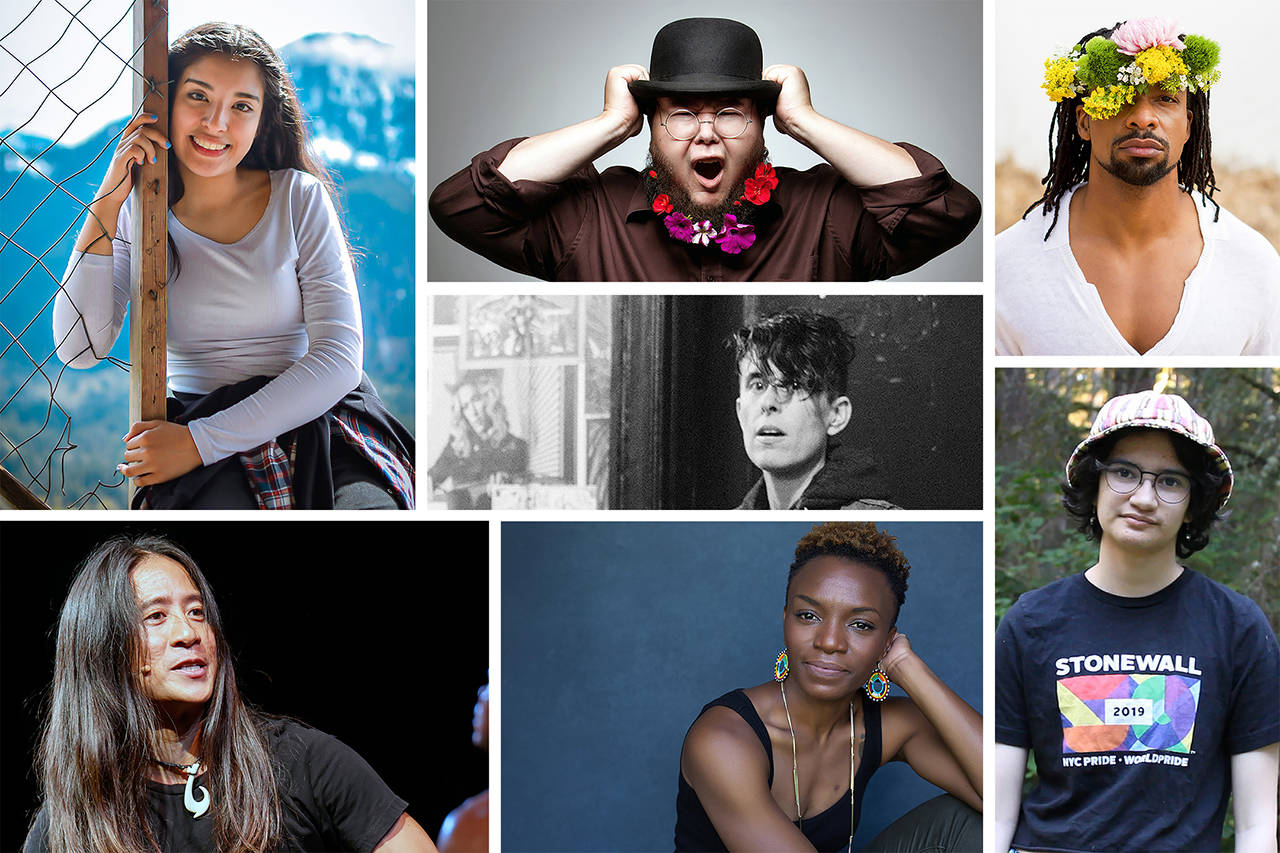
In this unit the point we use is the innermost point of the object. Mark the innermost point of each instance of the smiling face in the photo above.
(216, 111)
(708, 169)
(179, 647)
(1143, 143)
(837, 624)
(1140, 520)
(785, 430)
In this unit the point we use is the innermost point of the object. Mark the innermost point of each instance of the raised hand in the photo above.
(794, 98)
(898, 651)
(618, 100)
(139, 143)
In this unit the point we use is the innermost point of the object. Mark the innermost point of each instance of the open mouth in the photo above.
(709, 171)
(192, 668)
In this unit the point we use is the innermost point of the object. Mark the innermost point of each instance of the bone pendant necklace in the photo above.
(196, 807)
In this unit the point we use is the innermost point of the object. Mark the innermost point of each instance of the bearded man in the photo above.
(709, 206)
(1130, 254)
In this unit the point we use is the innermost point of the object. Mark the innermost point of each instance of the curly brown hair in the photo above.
(860, 541)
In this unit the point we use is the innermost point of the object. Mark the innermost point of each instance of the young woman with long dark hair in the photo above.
(147, 744)
(784, 765)
(265, 346)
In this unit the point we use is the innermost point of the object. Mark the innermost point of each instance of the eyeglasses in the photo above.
(1124, 478)
(782, 391)
(729, 123)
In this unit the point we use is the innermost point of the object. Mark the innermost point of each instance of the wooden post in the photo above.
(150, 211)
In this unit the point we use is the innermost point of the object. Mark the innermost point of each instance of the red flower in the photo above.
(757, 192)
(765, 174)
(736, 202)
(662, 204)
(653, 174)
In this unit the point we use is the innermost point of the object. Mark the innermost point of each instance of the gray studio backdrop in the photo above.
(903, 70)
(614, 635)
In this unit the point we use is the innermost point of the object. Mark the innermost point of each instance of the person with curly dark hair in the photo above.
(1129, 253)
(826, 714)
(792, 375)
(1139, 675)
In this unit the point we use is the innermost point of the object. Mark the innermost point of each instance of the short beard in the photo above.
(1137, 174)
(665, 183)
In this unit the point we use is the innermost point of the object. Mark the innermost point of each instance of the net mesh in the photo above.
(46, 188)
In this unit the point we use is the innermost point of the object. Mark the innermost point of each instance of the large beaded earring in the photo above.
(781, 666)
(877, 685)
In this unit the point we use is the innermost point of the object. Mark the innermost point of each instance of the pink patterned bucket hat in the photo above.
(1156, 411)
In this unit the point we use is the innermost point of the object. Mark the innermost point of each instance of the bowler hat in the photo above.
(706, 56)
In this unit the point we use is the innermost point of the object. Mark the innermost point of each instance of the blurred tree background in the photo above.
(1043, 413)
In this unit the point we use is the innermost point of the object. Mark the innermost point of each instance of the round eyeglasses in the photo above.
(1124, 478)
(683, 125)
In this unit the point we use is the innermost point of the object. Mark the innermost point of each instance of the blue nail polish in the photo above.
(166, 144)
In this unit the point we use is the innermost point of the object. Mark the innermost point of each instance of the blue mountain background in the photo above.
(360, 97)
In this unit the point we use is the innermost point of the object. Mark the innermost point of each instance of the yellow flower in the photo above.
(1106, 103)
(1059, 78)
(1161, 63)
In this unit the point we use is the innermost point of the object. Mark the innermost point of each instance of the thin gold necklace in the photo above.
(795, 767)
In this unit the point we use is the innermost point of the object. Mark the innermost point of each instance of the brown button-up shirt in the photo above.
(598, 226)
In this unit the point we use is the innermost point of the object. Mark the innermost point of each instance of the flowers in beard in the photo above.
(703, 232)
(733, 238)
(679, 226)
(760, 185)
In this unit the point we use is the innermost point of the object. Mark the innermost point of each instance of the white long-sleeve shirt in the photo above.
(281, 301)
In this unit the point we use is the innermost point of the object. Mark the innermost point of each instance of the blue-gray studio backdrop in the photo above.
(614, 635)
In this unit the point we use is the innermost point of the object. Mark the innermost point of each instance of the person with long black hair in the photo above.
(270, 407)
(148, 745)
(1146, 692)
(1129, 252)
(784, 765)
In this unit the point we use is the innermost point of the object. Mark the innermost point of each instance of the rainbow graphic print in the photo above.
(1128, 713)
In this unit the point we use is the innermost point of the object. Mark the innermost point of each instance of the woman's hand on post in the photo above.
(158, 451)
(139, 143)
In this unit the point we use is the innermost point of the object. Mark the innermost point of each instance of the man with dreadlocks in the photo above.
(1129, 254)
(709, 206)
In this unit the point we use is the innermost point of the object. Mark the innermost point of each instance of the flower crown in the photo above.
(1140, 53)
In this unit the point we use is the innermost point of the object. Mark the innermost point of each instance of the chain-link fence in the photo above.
(58, 63)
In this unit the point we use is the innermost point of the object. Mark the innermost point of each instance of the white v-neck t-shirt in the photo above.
(1045, 306)
(281, 301)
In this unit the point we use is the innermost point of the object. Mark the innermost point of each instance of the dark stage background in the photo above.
(615, 635)
(376, 633)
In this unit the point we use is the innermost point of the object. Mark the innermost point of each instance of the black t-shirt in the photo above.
(330, 799)
(1133, 707)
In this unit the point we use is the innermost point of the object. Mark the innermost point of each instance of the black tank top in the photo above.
(826, 831)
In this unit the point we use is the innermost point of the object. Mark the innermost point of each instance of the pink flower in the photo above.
(733, 238)
(679, 227)
(1133, 37)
